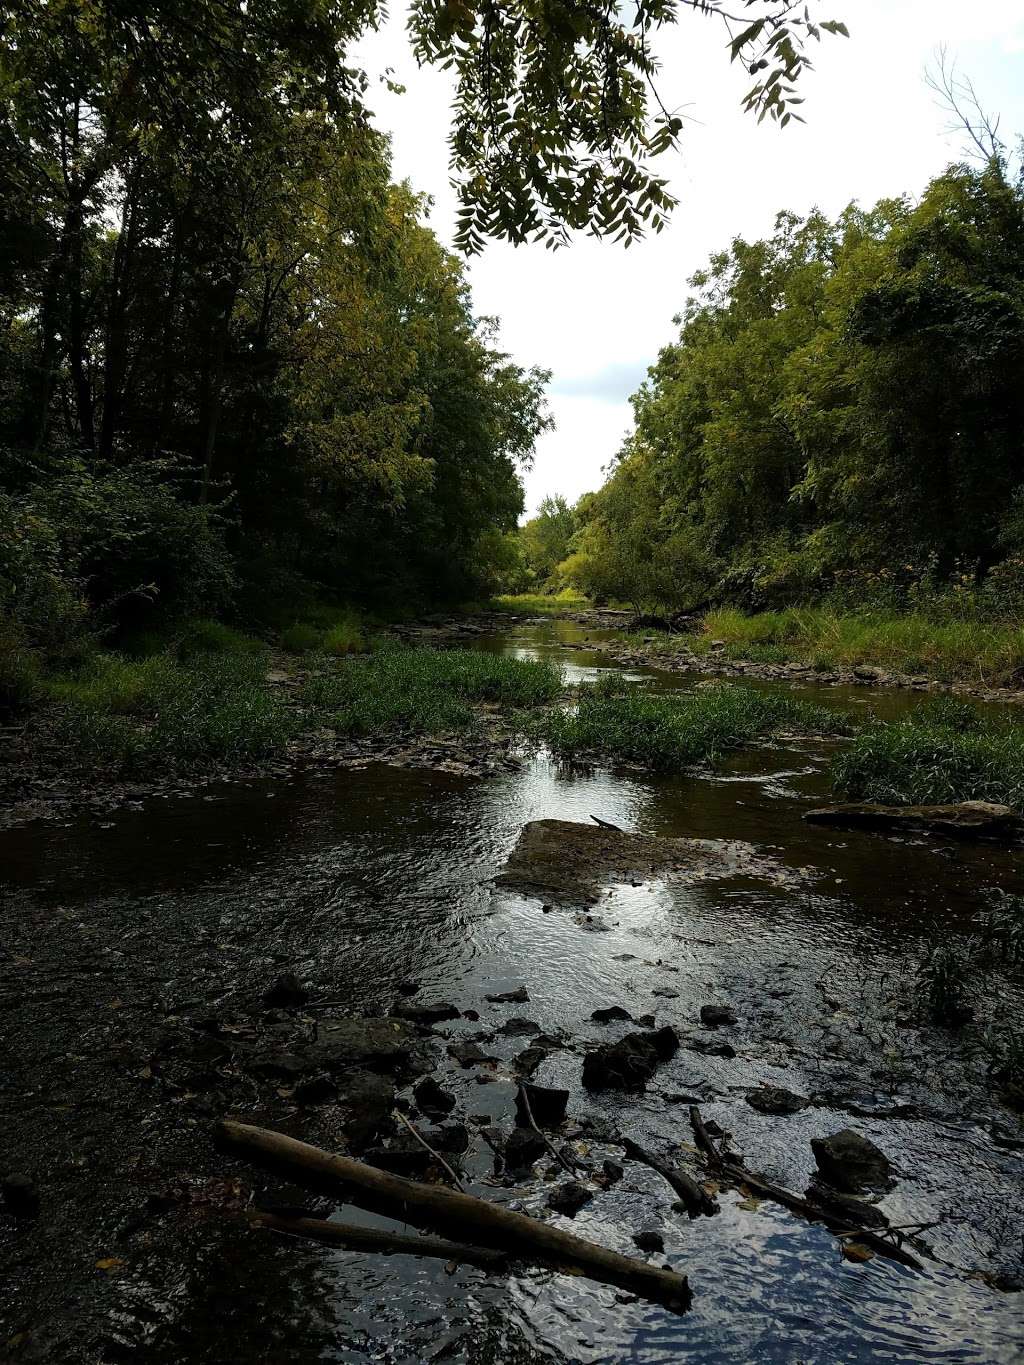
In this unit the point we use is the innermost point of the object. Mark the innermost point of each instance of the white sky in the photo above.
(596, 314)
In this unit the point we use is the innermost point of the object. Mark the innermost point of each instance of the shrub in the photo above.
(20, 684)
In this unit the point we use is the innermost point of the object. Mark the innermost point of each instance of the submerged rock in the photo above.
(569, 862)
(649, 1240)
(517, 1027)
(432, 1098)
(963, 820)
(547, 1105)
(521, 1149)
(631, 1062)
(714, 1016)
(384, 1044)
(610, 1015)
(851, 1162)
(569, 1198)
(773, 1099)
(435, 1013)
(519, 996)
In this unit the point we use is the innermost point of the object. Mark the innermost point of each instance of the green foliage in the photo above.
(422, 691)
(840, 416)
(133, 715)
(546, 538)
(932, 757)
(214, 637)
(552, 605)
(943, 980)
(20, 681)
(670, 733)
(912, 643)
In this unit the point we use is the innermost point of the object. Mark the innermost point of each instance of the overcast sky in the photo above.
(596, 314)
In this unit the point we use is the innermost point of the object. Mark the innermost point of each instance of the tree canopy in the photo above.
(844, 396)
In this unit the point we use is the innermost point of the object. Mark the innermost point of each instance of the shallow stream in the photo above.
(358, 879)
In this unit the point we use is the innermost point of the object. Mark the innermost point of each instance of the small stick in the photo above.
(543, 1136)
(427, 1147)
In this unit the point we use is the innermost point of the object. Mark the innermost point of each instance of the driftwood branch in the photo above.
(766, 1189)
(694, 1196)
(427, 1148)
(374, 1239)
(462, 1217)
(543, 1136)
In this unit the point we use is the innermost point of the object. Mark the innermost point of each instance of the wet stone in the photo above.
(522, 1148)
(709, 1047)
(612, 1014)
(435, 1013)
(469, 1054)
(631, 1062)
(568, 1198)
(432, 1098)
(519, 996)
(715, 1016)
(368, 1100)
(316, 1090)
(851, 1162)
(649, 1240)
(517, 1027)
(20, 1195)
(773, 1099)
(546, 1105)
(666, 992)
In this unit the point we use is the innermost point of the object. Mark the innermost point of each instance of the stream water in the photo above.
(358, 879)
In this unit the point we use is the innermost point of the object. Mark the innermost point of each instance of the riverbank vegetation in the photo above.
(671, 733)
(196, 706)
(968, 648)
(827, 461)
(943, 751)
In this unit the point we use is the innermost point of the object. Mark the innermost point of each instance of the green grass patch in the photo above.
(134, 714)
(539, 604)
(971, 650)
(214, 637)
(669, 733)
(942, 752)
(424, 691)
(326, 631)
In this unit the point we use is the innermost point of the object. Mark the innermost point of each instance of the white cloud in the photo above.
(595, 311)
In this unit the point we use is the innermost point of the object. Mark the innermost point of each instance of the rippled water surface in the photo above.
(368, 877)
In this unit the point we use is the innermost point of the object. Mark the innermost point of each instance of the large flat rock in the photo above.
(963, 820)
(562, 860)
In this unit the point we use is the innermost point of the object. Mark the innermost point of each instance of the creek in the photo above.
(358, 879)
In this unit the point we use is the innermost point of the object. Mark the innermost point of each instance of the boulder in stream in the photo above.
(850, 1162)
(774, 1099)
(547, 1105)
(569, 1197)
(962, 820)
(631, 1062)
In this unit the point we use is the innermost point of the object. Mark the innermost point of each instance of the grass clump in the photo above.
(941, 753)
(325, 631)
(134, 714)
(541, 604)
(425, 691)
(912, 643)
(669, 733)
(214, 637)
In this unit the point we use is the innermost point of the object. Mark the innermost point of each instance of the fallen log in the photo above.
(694, 1196)
(462, 1217)
(727, 1166)
(374, 1239)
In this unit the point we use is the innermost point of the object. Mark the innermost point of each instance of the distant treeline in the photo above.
(234, 364)
(843, 412)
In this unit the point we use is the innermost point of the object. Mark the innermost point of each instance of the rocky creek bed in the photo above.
(315, 949)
